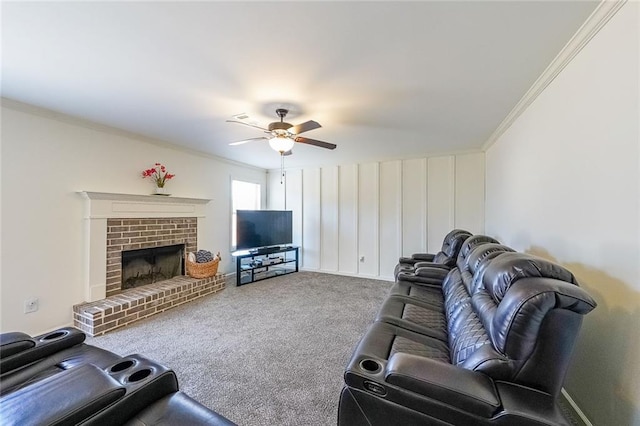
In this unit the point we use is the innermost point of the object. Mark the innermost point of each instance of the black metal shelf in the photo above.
(261, 265)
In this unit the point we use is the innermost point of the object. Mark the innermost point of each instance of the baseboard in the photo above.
(576, 412)
(349, 274)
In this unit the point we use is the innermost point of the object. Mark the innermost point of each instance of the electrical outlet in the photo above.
(31, 305)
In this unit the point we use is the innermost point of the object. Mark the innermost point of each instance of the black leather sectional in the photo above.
(486, 341)
(57, 379)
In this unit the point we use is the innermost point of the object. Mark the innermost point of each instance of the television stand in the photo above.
(267, 250)
(264, 263)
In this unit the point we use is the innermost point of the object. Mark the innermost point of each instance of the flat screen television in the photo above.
(263, 228)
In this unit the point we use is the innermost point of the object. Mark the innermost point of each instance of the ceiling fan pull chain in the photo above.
(281, 167)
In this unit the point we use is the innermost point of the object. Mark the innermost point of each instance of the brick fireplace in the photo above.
(132, 234)
(120, 222)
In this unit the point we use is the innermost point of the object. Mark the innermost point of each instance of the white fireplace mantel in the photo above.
(100, 206)
(113, 205)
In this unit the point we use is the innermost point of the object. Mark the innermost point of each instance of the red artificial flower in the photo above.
(159, 174)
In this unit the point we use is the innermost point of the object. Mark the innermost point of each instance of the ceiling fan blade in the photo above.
(315, 142)
(250, 125)
(305, 127)
(248, 140)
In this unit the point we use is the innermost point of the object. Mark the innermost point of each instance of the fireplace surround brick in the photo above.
(132, 234)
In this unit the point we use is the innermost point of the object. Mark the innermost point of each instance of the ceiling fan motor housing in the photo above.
(282, 113)
(279, 126)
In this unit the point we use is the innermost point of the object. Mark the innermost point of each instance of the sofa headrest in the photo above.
(477, 261)
(508, 268)
(518, 319)
(451, 247)
(451, 236)
(453, 242)
(481, 252)
(471, 243)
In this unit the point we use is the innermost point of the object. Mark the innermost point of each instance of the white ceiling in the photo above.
(385, 79)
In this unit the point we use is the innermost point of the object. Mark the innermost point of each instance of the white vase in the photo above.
(160, 190)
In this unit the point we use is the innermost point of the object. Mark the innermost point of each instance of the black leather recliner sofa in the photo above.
(446, 257)
(489, 344)
(57, 379)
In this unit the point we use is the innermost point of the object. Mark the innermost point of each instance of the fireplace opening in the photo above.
(150, 265)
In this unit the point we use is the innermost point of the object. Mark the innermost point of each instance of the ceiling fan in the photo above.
(283, 135)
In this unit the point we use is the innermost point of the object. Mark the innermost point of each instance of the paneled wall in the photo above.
(358, 219)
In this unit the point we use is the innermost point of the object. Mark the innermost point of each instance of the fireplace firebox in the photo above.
(150, 265)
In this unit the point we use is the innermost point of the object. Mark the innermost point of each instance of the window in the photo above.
(244, 196)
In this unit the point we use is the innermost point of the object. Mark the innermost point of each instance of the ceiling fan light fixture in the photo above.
(281, 143)
(283, 135)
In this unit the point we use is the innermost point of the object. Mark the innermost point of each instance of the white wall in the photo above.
(357, 219)
(563, 183)
(45, 161)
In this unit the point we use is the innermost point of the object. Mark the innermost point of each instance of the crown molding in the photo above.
(92, 125)
(594, 23)
(453, 153)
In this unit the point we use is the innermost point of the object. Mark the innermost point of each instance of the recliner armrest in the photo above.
(430, 280)
(407, 261)
(431, 273)
(424, 257)
(64, 399)
(22, 349)
(423, 264)
(13, 342)
(465, 389)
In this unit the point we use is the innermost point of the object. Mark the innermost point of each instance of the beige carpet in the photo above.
(268, 353)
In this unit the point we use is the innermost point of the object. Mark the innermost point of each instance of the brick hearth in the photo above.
(124, 308)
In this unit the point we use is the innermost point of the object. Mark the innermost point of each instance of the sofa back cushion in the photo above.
(465, 330)
(478, 258)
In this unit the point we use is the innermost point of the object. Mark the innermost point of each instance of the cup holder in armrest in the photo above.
(55, 335)
(370, 365)
(139, 375)
(142, 370)
(144, 382)
(122, 365)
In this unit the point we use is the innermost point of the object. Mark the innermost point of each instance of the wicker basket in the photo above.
(202, 270)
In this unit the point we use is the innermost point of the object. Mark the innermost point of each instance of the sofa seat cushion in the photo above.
(383, 340)
(432, 349)
(427, 294)
(414, 315)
